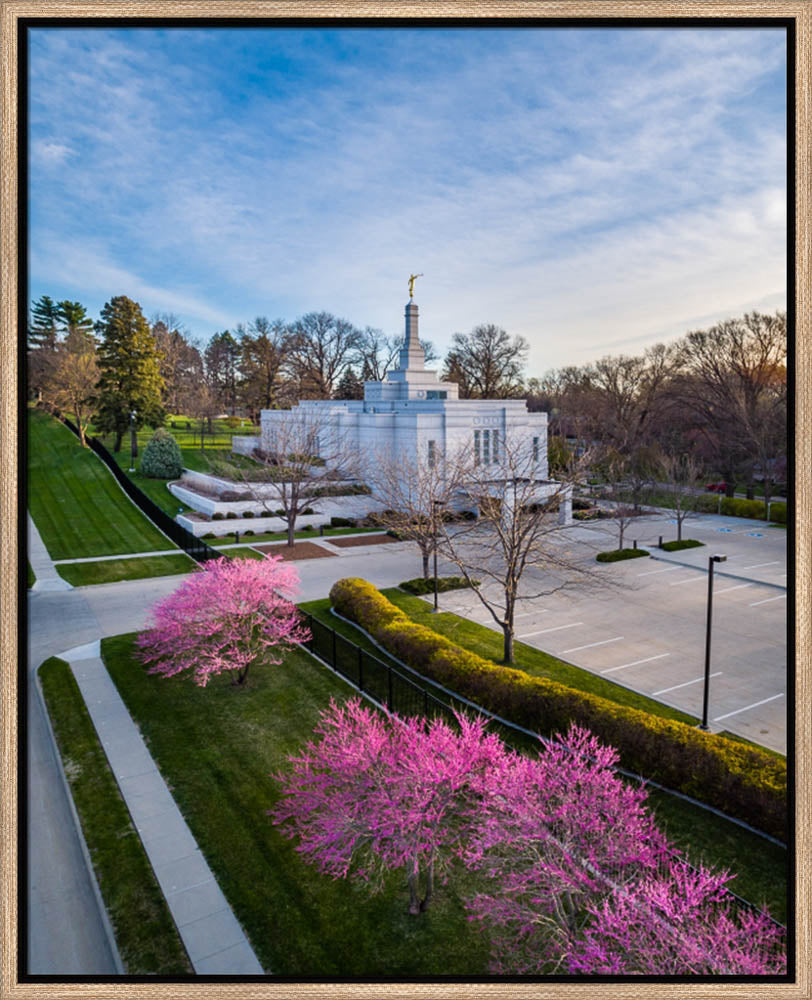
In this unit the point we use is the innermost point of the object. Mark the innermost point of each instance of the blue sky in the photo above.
(593, 190)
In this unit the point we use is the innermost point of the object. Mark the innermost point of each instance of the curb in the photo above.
(105, 918)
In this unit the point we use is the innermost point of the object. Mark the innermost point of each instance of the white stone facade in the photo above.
(412, 414)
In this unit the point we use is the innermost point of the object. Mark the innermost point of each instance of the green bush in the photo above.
(616, 555)
(778, 513)
(162, 458)
(248, 531)
(308, 510)
(578, 503)
(209, 534)
(247, 513)
(740, 779)
(342, 522)
(231, 515)
(422, 586)
(685, 543)
(736, 507)
(217, 517)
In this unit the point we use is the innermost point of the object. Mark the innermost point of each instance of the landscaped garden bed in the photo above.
(684, 543)
(618, 555)
(299, 550)
(352, 541)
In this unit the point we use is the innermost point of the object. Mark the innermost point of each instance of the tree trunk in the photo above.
(507, 629)
(414, 902)
(291, 530)
(679, 527)
(78, 420)
(117, 445)
(424, 904)
(426, 573)
(620, 541)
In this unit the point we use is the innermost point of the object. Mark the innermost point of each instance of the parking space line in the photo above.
(590, 645)
(686, 684)
(670, 569)
(781, 597)
(748, 707)
(623, 666)
(775, 562)
(737, 587)
(555, 628)
(693, 579)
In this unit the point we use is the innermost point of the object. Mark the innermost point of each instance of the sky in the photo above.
(593, 190)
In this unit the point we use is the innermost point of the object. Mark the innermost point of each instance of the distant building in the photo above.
(413, 414)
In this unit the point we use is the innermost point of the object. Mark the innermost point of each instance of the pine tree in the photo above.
(75, 323)
(350, 386)
(130, 378)
(43, 336)
(222, 358)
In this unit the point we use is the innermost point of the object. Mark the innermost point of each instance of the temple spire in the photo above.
(412, 356)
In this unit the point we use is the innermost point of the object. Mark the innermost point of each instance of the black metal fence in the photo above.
(406, 696)
(191, 545)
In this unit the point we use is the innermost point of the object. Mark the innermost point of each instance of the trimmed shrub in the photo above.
(231, 515)
(308, 510)
(736, 507)
(279, 512)
(686, 543)
(247, 513)
(162, 458)
(617, 555)
(738, 778)
(342, 522)
(209, 534)
(778, 513)
(578, 503)
(586, 515)
(217, 517)
(308, 527)
(422, 586)
(248, 531)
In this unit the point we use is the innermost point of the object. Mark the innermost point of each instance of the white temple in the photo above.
(412, 413)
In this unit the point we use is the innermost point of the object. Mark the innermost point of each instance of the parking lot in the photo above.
(648, 632)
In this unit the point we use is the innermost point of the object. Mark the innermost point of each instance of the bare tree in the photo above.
(263, 365)
(517, 548)
(415, 490)
(302, 460)
(181, 363)
(681, 473)
(487, 363)
(322, 347)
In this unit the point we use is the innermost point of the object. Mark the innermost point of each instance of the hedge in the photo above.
(737, 778)
(684, 543)
(736, 507)
(616, 555)
(419, 585)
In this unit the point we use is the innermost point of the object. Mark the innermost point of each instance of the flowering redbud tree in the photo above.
(224, 618)
(376, 794)
(563, 831)
(679, 922)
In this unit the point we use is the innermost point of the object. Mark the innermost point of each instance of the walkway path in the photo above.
(43, 566)
(214, 940)
(66, 935)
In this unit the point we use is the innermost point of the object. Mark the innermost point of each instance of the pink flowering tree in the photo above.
(224, 618)
(680, 921)
(375, 794)
(562, 831)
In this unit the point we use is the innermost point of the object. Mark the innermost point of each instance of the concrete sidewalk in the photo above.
(43, 566)
(213, 938)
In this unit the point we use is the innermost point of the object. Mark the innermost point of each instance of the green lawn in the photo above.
(146, 936)
(32, 579)
(113, 570)
(78, 507)
(488, 643)
(706, 838)
(217, 747)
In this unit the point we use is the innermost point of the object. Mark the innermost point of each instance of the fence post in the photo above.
(360, 669)
(389, 704)
(426, 702)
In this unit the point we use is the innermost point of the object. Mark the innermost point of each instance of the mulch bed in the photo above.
(352, 540)
(299, 550)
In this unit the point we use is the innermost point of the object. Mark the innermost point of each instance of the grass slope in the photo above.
(217, 747)
(78, 507)
(146, 935)
(113, 570)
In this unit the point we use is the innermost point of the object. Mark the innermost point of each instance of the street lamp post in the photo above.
(711, 560)
(435, 504)
(133, 440)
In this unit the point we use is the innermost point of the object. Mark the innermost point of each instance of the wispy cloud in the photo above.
(575, 186)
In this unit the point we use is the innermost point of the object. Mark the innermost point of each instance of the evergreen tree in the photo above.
(350, 386)
(129, 363)
(75, 323)
(43, 336)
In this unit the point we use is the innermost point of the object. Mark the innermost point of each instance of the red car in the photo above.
(716, 487)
